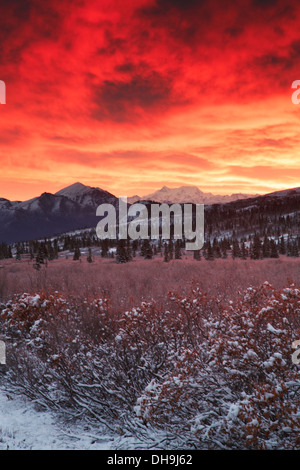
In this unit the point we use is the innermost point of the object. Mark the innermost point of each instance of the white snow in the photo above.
(73, 191)
(273, 330)
(22, 427)
(191, 194)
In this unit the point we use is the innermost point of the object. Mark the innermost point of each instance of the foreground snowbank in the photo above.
(24, 428)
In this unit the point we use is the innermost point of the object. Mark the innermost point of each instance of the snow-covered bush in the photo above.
(207, 372)
(238, 388)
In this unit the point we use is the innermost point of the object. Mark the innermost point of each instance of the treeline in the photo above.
(39, 250)
(5, 251)
(253, 247)
(264, 215)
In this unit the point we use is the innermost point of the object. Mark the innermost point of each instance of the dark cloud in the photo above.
(234, 31)
(112, 44)
(295, 50)
(271, 10)
(39, 17)
(140, 68)
(265, 3)
(274, 61)
(20, 8)
(117, 100)
(183, 20)
(15, 14)
(280, 66)
(182, 5)
(127, 67)
(26, 23)
(178, 10)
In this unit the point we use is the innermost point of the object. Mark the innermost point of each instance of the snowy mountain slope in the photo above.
(86, 195)
(73, 191)
(285, 192)
(275, 214)
(75, 207)
(71, 208)
(185, 194)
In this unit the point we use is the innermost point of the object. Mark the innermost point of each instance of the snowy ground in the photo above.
(24, 428)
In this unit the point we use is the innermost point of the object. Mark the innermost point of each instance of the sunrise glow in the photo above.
(132, 95)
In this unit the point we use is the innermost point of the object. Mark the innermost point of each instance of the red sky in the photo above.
(131, 95)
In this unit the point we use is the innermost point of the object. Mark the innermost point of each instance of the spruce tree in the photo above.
(209, 252)
(256, 247)
(289, 247)
(89, 257)
(282, 249)
(134, 247)
(147, 249)
(142, 250)
(122, 253)
(266, 247)
(166, 253)
(236, 252)
(128, 250)
(273, 249)
(40, 257)
(178, 249)
(293, 248)
(244, 251)
(55, 248)
(216, 249)
(77, 254)
(104, 248)
(224, 251)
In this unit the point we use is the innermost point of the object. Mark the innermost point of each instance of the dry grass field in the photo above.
(128, 284)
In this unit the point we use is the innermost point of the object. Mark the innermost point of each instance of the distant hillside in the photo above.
(74, 208)
(272, 214)
(71, 208)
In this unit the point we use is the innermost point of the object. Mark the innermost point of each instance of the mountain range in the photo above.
(68, 209)
(74, 207)
(186, 194)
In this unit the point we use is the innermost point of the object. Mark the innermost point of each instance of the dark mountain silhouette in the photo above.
(69, 209)
(74, 207)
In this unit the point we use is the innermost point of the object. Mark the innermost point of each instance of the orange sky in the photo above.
(133, 95)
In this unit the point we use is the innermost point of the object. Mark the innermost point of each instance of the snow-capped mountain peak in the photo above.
(86, 195)
(70, 208)
(188, 194)
(73, 191)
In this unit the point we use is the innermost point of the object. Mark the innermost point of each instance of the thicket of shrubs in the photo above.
(201, 371)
